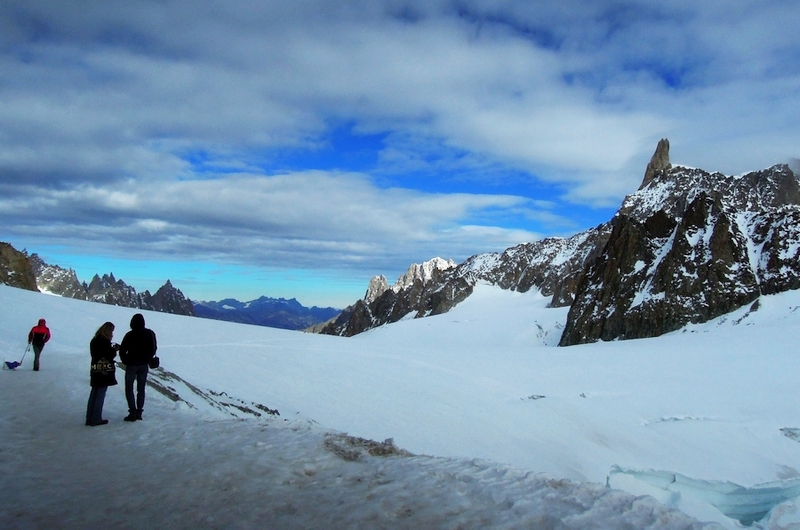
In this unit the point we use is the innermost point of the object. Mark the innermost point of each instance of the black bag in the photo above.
(155, 362)
(103, 367)
(103, 373)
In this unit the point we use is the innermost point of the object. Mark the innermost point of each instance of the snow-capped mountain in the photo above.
(552, 265)
(422, 272)
(688, 246)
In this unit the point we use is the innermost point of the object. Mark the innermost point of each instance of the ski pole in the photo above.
(26, 351)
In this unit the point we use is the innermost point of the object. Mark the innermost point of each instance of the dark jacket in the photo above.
(39, 334)
(103, 369)
(139, 344)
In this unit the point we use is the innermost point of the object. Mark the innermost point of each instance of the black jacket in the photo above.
(139, 344)
(103, 368)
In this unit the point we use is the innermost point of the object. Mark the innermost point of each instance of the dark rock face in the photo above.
(107, 290)
(659, 163)
(15, 270)
(776, 234)
(56, 280)
(687, 247)
(168, 299)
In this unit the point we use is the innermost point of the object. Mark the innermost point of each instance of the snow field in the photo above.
(708, 404)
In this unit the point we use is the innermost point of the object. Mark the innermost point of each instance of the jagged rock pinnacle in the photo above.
(658, 163)
(377, 286)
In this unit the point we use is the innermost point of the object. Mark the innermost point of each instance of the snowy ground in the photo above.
(521, 434)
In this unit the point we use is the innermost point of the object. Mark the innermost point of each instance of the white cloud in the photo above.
(316, 219)
(101, 111)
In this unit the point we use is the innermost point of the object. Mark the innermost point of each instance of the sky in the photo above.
(508, 430)
(296, 149)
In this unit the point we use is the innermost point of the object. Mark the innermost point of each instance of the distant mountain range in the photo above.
(265, 311)
(18, 269)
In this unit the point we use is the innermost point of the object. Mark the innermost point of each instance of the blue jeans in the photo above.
(139, 374)
(94, 408)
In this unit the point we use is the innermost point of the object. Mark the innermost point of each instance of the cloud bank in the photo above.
(105, 113)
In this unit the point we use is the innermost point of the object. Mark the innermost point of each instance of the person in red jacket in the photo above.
(38, 337)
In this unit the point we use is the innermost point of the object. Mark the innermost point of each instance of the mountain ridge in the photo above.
(19, 269)
(107, 289)
(689, 245)
(266, 311)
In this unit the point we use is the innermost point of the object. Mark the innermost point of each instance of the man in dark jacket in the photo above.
(137, 348)
(38, 337)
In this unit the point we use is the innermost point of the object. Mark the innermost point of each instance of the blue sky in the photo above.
(296, 149)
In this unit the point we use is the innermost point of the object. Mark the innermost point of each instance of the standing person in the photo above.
(102, 374)
(38, 337)
(137, 348)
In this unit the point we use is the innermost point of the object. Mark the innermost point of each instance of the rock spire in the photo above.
(659, 163)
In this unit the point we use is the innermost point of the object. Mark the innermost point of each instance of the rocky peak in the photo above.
(422, 272)
(107, 289)
(57, 280)
(377, 286)
(168, 299)
(659, 162)
(689, 247)
(551, 265)
(15, 269)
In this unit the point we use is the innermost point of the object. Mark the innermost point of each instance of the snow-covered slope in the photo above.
(699, 418)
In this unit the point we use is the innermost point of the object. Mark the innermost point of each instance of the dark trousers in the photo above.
(139, 374)
(94, 408)
(37, 352)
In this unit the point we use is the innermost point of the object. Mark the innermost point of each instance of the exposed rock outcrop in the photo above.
(377, 286)
(552, 265)
(168, 299)
(422, 272)
(107, 289)
(56, 280)
(687, 247)
(659, 163)
(15, 270)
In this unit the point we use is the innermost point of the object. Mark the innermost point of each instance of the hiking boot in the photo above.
(96, 423)
(130, 417)
(139, 415)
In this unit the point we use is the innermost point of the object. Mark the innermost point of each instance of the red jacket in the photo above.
(39, 334)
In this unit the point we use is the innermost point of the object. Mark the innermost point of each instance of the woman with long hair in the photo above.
(102, 374)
